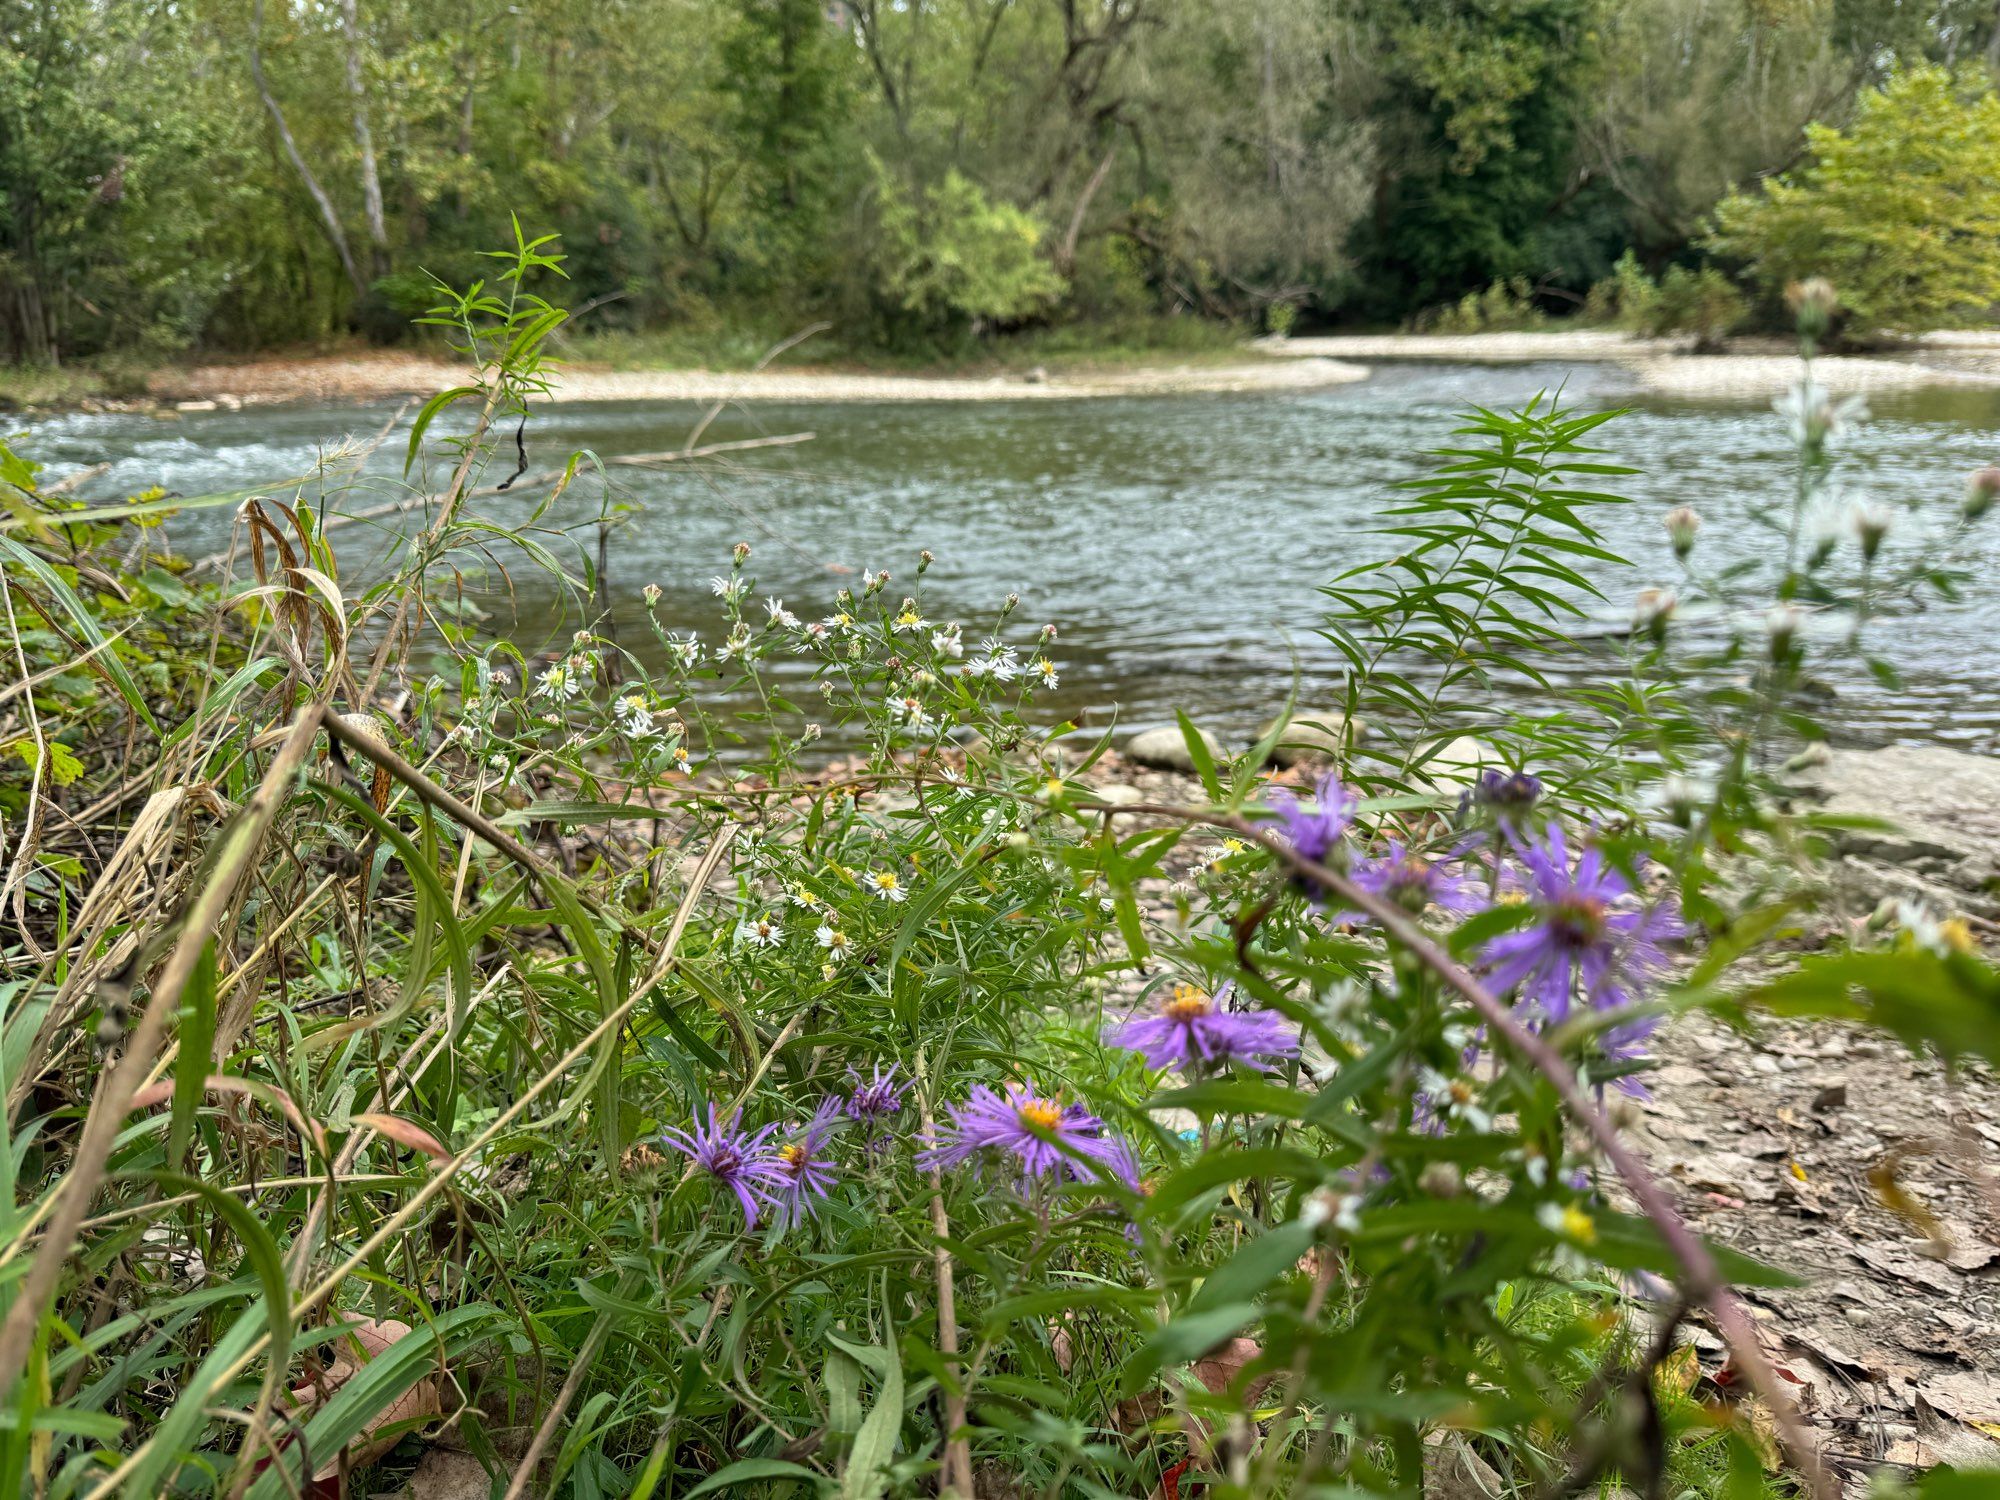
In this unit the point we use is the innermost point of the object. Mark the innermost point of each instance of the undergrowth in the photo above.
(412, 1041)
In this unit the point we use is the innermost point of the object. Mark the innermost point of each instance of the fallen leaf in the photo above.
(418, 1403)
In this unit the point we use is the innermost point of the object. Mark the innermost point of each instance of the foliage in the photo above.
(1901, 209)
(709, 164)
(1700, 300)
(1503, 307)
(954, 255)
(709, 1113)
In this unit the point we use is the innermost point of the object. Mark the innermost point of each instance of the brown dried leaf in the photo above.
(405, 1133)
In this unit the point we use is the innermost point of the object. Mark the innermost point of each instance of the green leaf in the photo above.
(1204, 763)
(746, 1469)
(428, 415)
(197, 1042)
(1251, 1269)
(867, 1475)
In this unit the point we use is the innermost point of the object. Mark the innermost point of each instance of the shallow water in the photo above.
(1177, 541)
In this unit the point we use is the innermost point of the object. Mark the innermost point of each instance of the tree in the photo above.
(1901, 210)
(1475, 106)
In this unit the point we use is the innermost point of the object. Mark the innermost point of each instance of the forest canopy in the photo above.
(236, 174)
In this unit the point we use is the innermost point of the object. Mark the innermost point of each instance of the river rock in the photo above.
(1944, 808)
(1314, 736)
(1165, 749)
(1457, 765)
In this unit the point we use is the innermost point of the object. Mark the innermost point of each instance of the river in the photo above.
(1177, 541)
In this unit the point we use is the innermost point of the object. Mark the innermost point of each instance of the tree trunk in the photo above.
(364, 140)
(327, 215)
(1066, 252)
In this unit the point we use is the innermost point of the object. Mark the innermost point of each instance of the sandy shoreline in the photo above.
(374, 376)
(1761, 367)
(1756, 369)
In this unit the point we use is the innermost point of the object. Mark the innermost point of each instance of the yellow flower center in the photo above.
(791, 1156)
(1042, 1114)
(1957, 935)
(1579, 1225)
(886, 881)
(1461, 1092)
(1186, 1004)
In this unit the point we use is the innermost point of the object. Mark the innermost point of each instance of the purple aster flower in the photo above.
(1589, 939)
(1507, 795)
(1190, 1029)
(803, 1176)
(740, 1160)
(1043, 1134)
(1626, 1042)
(1408, 880)
(1314, 832)
(875, 1100)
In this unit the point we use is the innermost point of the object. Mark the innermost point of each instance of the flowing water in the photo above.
(1177, 541)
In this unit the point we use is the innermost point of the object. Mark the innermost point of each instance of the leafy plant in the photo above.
(521, 1041)
(1898, 209)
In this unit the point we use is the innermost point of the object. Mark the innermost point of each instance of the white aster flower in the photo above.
(635, 717)
(1455, 1099)
(559, 682)
(886, 885)
(762, 931)
(1814, 418)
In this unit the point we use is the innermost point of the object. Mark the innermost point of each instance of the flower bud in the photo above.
(1813, 302)
(924, 559)
(742, 553)
(1981, 490)
(1682, 524)
(1871, 525)
(652, 594)
(1651, 610)
(1781, 624)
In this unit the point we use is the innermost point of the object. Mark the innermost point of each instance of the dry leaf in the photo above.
(405, 1133)
(418, 1403)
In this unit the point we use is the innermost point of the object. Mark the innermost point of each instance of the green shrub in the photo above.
(951, 255)
(1502, 307)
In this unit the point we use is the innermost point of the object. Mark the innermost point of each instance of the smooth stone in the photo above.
(1165, 749)
(1314, 736)
(1457, 765)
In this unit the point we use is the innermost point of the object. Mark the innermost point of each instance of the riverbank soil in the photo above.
(1830, 1151)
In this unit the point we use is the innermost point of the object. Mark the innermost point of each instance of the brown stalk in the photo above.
(1701, 1278)
(958, 1449)
(117, 1085)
